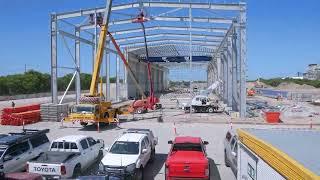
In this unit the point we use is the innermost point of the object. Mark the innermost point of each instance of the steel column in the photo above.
(125, 74)
(235, 97)
(108, 94)
(219, 72)
(54, 85)
(225, 77)
(243, 60)
(77, 59)
(107, 71)
(95, 38)
(229, 62)
(117, 77)
(190, 46)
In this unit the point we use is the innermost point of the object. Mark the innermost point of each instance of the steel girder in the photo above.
(165, 28)
(167, 19)
(154, 4)
(172, 35)
(163, 40)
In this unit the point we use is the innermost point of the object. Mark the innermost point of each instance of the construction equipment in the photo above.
(251, 92)
(93, 108)
(152, 102)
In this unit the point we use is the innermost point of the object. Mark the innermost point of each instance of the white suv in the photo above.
(18, 148)
(128, 155)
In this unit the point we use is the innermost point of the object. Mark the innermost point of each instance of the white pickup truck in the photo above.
(129, 155)
(67, 157)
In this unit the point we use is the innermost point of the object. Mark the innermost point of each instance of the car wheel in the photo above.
(139, 111)
(77, 171)
(193, 110)
(226, 162)
(139, 174)
(210, 110)
(83, 124)
(153, 155)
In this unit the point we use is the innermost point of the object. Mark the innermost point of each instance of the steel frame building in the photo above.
(217, 41)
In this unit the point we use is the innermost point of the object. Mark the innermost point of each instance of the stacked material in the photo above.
(17, 116)
(53, 112)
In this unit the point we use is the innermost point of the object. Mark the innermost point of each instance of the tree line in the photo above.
(36, 82)
(274, 82)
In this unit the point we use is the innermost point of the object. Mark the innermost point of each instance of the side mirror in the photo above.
(170, 142)
(205, 142)
(155, 141)
(144, 151)
(7, 158)
(234, 153)
(100, 141)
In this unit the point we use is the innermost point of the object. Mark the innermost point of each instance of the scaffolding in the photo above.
(179, 34)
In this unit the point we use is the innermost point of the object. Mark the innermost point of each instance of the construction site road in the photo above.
(214, 133)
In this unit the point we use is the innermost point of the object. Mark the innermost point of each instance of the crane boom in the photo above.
(133, 77)
(100, 50)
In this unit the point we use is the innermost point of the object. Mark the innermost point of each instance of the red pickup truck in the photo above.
(187, 159)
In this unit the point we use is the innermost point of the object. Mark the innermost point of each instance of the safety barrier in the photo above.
(20, 115)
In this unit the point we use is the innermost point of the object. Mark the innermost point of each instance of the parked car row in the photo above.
(126, 158)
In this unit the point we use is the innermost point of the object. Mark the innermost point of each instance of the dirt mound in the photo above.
(290, 85)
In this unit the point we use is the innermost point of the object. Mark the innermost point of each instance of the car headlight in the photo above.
(131, 167)
(101, 166)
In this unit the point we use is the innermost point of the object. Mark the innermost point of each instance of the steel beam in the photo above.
(172, 35)
(197, 42)
(243, 60)
(54, 84)
(83, 40)
(235, 97)
(225, 77)
(125, 80)
(199, 49)
(176, 19)
(219, 72)
(229, 65)
(117, 77)
(225, 39)
(212, 6)
(77, 59)
(169, 28)
(108, 94)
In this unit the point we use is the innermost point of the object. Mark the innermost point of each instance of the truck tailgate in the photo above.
(187, 170)
(45, 169)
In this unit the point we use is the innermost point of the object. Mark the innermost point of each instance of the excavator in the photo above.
(93, 108)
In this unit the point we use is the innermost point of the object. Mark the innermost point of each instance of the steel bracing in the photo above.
(183, 31)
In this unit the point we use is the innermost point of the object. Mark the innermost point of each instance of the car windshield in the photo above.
(186, 147)
(120, 147)
(83, 109)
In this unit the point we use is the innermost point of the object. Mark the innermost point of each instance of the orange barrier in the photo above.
(21, 115)
(272, 117)
(20, 109)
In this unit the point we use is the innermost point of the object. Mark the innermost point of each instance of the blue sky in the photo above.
(283, 36)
